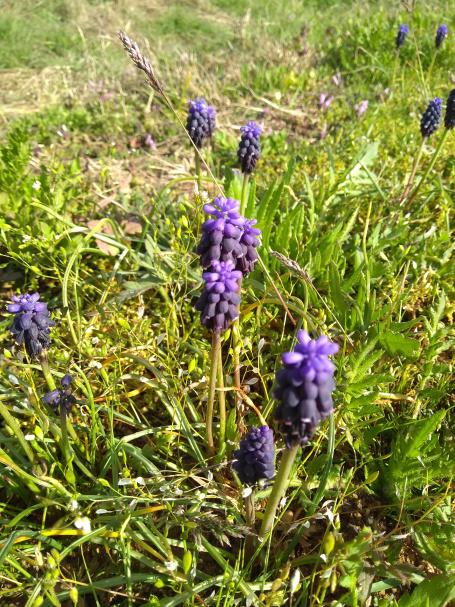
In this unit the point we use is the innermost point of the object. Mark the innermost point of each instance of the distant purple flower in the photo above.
(201, 121)
(449, 118)
(149, 142)
(431, 117)
(61, 399)
(337, 80)
(304, 388)
(249, 147)
(325, 101)
(361, 108)
(402, 34)
(220, 299)
(255, 458)
(31, 324)
(441, 35)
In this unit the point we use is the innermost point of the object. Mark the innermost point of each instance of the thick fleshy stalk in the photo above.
(280, 485)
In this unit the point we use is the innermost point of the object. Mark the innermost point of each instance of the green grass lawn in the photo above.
(120, 502)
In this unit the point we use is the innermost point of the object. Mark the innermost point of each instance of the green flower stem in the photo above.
(250, 510)
(430, 166)
(222, 402)
(216, 345)
(320, 490)
(47, 372)
(413, 171)
(236, 348)
(278, 490)
(66, 449)
(15, 427)
(244, 195)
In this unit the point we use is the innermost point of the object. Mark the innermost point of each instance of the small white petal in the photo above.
(171, 565)
(29, 437)
(247, 491)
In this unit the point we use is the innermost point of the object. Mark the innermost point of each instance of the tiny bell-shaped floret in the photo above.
(255, 459)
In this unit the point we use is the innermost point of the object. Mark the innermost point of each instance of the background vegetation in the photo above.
(97, 213)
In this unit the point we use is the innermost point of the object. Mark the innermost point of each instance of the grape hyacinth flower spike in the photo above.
(255, 459)
(431, 117)
(304, 388)
(61, 399)
(31, 324)
(441, 35)
(220, 299)
(227, 236)
(201, 121)
(449, 123)
(220, 240)
(429, 124)
(449, 118)
(249, 148)
(304, 393)
(402, 34)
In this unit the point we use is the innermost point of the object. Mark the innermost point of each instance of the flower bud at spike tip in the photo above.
(201, 121)
(441, 35)
(220, 299)
(304, 388)
(402, 34)
(431, 117)
(31, 324)
(449, 118)
(255, 458)
(249, 147)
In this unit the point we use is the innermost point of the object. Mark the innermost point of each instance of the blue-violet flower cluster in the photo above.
(249, 147)
(255, 458)
(431, 117)
(228, 236)
(61, 399)
(201, 121)
(449, 118)
(441, 34)
(304, 388)
(31, 324)
(220, 299)
(402, 34)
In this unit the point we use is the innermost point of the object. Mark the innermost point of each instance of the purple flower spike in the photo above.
(249, 147)
(31, 324)
(449, 118)
(304, 388)
(61, 399)
(220, 299)
(441, 35)
(228, 236)
(402, 34)
(201, 121)
(431, 117)
(255, 458)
